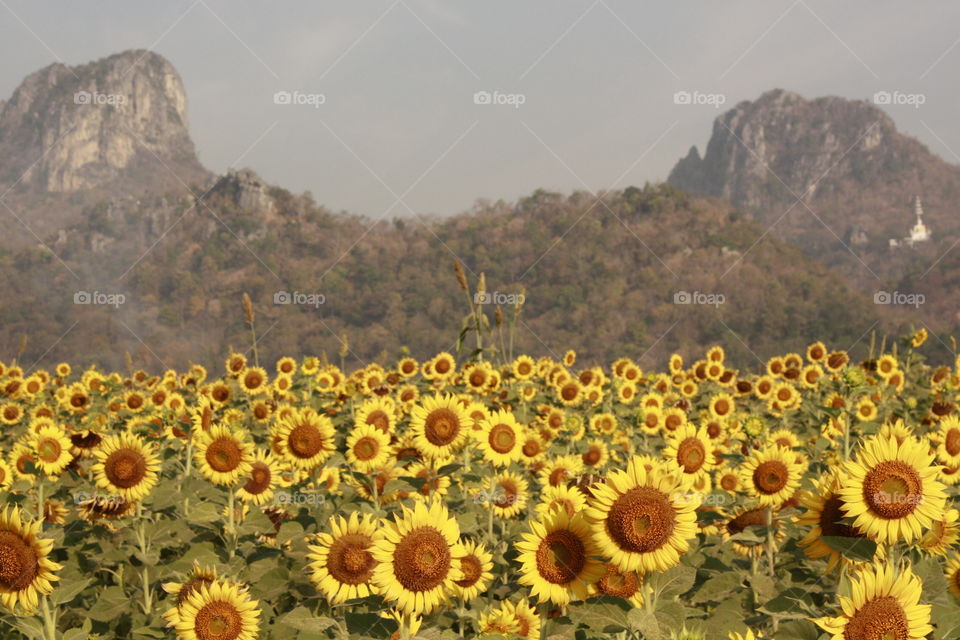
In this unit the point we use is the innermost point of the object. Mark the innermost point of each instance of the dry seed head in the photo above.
(461, 276)
(248, 308)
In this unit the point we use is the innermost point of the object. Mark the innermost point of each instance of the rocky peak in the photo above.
(796, 139)
(246, 189)
(121, 118)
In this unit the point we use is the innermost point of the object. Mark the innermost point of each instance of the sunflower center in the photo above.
(218, 621)
(441, 427)
(621, 585)
(305, 441)
(380, 420)
(125, 468)
(691, 455)
(502, 438)
(831, 517)
(349, 560)
(728, 482)
(569, 392)
(770, 477)
(561, 557)
(365, 449)
(952, 442)
(507, 495)
(18, 562)
(531, 448)
(892, 489)
(49, 450)
(422, 560)
(472, 570)
(641, 520)
(882, 618)
(259, 480)
(224, 454)
(592, 456)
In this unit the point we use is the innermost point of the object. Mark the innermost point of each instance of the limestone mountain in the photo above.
(854, 174)
(113, 127)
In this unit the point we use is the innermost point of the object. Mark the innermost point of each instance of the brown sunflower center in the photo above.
(379, 419)
(721, 407)
(472, 570)
(882, 618)
(952, 441)
(259, 480)
(224, 454)
(502, 439)
(892, 489)
(770, 477)
(641, 520)
(18, 562)
(691, 454)
(441, 427)
(729, 482)
(218, 620)
(366, 448)
(349, 560)
(621, 585)
(561, 557)
(421, 560)
(531, 448)
(592, 456)
(49, 450)
(125, 468)
(569, 392)
(305, 441)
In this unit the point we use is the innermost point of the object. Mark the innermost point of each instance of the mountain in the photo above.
(113, 126)
(823, 173)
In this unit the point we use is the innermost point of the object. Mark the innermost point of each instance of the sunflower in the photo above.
(596, 455)
(742, 520)
(377, 412)
(620, 584)
(367, 448)
(341, 561)
(507, 496)
(560, 470)
(523, 368)
(26, 571)
(417, 555)
(948, 437)
(476, 565)
(499, 622)
(565, 497)
(881, 605)
(6, 474)
(558, 558)
(52, 449)
(943, 534)
(500, 438)
(866, 410)
(199, 576)
(784, 438)
(126, 466)
(689, 448)
(891, 490)
(439, 425)
(218, 611)
(771, 475)
(528, 620)
(262, 479)
(643, 519)
(825, 517)
(727, 478)
(253, 380)
(722, 405)
(532, 447)
(304, 438)
(10, 413)
(225, 454)
(431, 484)
(952, 574)
(235, 364)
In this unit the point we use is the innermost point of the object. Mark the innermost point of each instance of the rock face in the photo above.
(245, 189)
(122, 118)
(852, 172)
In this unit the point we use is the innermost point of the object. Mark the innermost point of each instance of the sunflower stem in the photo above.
(771, 550)
(49, 620)
(40, 497)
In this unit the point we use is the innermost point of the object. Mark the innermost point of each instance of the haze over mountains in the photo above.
(104, 193)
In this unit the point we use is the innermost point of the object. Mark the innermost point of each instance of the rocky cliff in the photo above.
(118, 121)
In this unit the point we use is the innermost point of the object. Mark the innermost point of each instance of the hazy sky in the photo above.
(596, 78)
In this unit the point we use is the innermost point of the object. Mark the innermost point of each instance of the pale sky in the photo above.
(596, 80)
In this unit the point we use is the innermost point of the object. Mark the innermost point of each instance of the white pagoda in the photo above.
(918, 233)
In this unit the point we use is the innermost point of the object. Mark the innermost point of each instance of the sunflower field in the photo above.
(486, 495)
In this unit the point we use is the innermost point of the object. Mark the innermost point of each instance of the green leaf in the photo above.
(792, 602)
(111, 603)
(673, 581)
(68, 590)
(301, 619)
(861, 549)
(717, 588)
(606, 614)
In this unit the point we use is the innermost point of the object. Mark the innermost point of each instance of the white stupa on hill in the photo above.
(918, 233)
